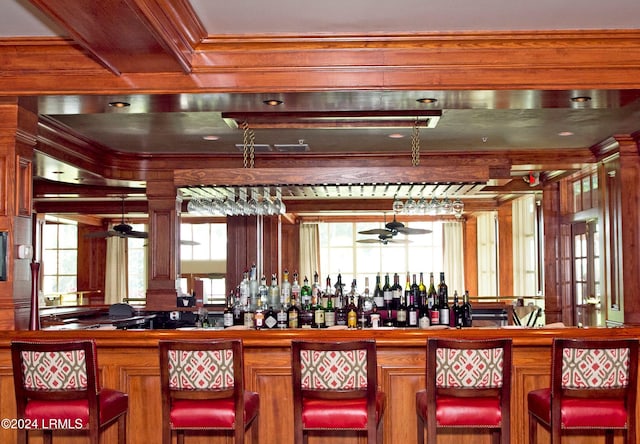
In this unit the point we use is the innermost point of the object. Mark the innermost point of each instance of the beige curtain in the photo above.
(115, 286)
(524, 246)
(487, 254)
(309, 251)
(453, 257)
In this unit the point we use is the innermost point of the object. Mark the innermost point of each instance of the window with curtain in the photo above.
(525, 251)
(341, 253)
(60, 260)
(487, 254)
(137, 265)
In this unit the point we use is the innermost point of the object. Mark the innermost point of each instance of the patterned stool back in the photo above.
(598, 368)
(469, 368)
(54, 370)
(201, 369)
(333, 369)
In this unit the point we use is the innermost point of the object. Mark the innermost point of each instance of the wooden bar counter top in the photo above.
(128, 361)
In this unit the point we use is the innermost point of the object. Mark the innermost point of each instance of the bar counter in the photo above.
(128, 361)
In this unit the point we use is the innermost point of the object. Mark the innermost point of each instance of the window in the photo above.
(487, 255)
(341, 253)
(137, 266)
(60, 260)
(203, 255)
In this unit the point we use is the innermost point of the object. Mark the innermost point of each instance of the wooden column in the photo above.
(164, 243)
(505, 249)
(471, 254)
(18, 127)
(553, 288)
(630, 225)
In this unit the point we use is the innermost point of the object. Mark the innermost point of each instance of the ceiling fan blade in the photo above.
(378, 231)
(407, 230)
(137, 234)
(97, 234)
(369, 241)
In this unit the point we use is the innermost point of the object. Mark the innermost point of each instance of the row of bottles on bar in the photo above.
(291, 305)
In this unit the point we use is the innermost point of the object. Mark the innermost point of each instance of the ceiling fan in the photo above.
(394, 227)
(384, 239)
(122, 229)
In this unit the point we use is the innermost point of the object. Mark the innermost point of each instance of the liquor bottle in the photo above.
(316, 291)
(295, 287)
(282, 318)
(378, 298)
(340, 310)
(367, 299)
(238, 309)
(443, 301)
(354, 294)
(362, 315)
(422, 292)
(263, 292)
(244, 289)
(285, 289)
(270, 318)
(274, 291)
(318, 314)
(352, 313)
(389, 319)
(452, 309)
(328, 292)
(329, 312)
(227, 315)
(305, 293)
(253, 285)
(424, 317)
(374, 317)
(293, 314)
(387, 294)
(396, 291)
(412, 310)
(467, 312)
(248, 316)
(258, 317)
(306, 313)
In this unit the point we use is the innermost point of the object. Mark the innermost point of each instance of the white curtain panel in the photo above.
(115, 286)
(487, 254)
(309, 251)
(453, 258)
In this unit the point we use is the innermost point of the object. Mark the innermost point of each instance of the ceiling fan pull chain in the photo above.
(415, 144)
(248, 149)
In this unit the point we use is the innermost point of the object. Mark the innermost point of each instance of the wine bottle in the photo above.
(396, 291)
(378, 298)
(422, 293)
(443, 301)
(412, 310)
(467, 312)
(456, 311)
(424, 319)
(387, 294)
(432, 294)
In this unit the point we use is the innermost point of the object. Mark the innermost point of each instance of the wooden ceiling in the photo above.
(192, 72)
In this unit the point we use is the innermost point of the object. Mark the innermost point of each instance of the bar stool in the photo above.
(57, 388)
(335, 388)
(202, 386)
(593, 386)
(468, 386)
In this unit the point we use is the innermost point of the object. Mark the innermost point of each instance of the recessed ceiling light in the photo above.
(581, 99)
(272, 102)
(119, 104)
(210, 137)
(565, 133)
(395, 136)
(57, 172)
(427, 100)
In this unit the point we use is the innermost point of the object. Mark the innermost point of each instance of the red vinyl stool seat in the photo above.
(335, 388)
(203, 389)
(56, 385)
(590, 389)
(468, 386)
